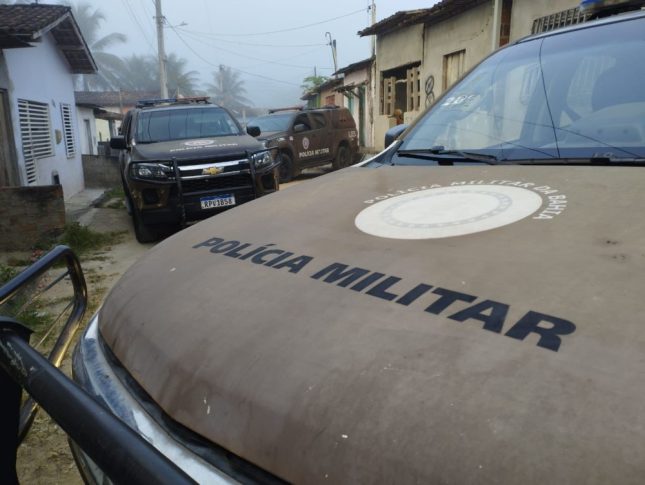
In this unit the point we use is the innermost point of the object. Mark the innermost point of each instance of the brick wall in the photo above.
(101, 171)
(29, 214)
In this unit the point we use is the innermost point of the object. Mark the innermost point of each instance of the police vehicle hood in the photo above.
(222, 146)
(405, 325)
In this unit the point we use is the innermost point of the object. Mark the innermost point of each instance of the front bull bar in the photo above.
(121, 453)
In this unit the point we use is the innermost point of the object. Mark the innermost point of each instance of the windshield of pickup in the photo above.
(181, 124)
(575, 94)
(272, 123)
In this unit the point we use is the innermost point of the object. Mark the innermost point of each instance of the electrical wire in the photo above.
(136, 20)
(264, 61)
(252, 44)
(234, 69)
(291, 29)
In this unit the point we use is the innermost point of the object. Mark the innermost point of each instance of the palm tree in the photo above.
(138, 73)
(89, 21)
(141, 73)
(228, 89)
(180, 81)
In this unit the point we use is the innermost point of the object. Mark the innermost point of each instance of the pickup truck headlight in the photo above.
(262, 160)
(156, 171)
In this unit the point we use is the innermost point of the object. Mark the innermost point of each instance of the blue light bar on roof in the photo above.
(152, 102)
(594, 6)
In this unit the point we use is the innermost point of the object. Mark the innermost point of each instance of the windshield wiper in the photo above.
(447, 157)
(592, 161)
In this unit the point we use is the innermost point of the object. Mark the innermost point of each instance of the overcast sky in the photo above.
(243, 34)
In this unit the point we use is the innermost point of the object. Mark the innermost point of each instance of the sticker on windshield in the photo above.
(457, 210)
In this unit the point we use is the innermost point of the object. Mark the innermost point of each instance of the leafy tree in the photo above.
(89, 20)
(312, 82)
(228, 89)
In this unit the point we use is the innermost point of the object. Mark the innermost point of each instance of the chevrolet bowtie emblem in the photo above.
(212, 171)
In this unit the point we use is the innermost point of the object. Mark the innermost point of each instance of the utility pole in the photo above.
(163, 79)
(370, 100)
(373, 12)
(332, 44)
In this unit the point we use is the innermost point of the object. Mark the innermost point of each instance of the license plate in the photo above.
(216, 201)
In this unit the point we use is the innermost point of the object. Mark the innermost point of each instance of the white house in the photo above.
(41, 47)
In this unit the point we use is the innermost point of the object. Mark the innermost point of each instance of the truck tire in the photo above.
(143, 232)
(286, 167)
(343, 158)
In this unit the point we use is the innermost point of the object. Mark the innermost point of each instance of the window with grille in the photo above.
(68, 131)
(400, 89)
(554, 21)
(36, 134)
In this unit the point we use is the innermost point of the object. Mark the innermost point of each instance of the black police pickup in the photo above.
(187, 159)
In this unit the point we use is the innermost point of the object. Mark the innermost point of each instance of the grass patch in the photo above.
(114, 193)
(82, 239)
(114, 199)
(33, 316)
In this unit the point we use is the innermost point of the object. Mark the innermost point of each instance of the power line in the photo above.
(136, 20)
(217, 66)
(266, 61)
(252, 44)
(291, 29)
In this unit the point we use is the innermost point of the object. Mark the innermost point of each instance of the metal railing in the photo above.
(122, 454)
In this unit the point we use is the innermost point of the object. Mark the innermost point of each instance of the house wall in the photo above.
(338, 97)
(42, 74)
(29, 215)
(9, 175)
(395, 49)
(470, 31)
(524, 12)
(359, 78)
(83, 114)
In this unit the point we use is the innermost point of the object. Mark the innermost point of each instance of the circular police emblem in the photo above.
(305, 143)
(199, 143)
(448, 211)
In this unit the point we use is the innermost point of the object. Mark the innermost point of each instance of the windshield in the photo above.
(577, 94)
(181, 124)
(272, 122)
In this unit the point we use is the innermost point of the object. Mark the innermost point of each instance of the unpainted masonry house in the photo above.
(41, 47)
(421, 53)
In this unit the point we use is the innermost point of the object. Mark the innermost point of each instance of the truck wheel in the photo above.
(343, 158)
(286, 167)
(143, 232)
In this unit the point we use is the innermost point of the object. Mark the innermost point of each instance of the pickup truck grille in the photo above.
(217, 182)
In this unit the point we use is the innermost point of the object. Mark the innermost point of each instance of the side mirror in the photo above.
(253, 130)
(299, 128)
(118, 143)
(393, 133)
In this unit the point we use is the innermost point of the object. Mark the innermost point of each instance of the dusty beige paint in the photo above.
(470, 31)
(526, 11)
